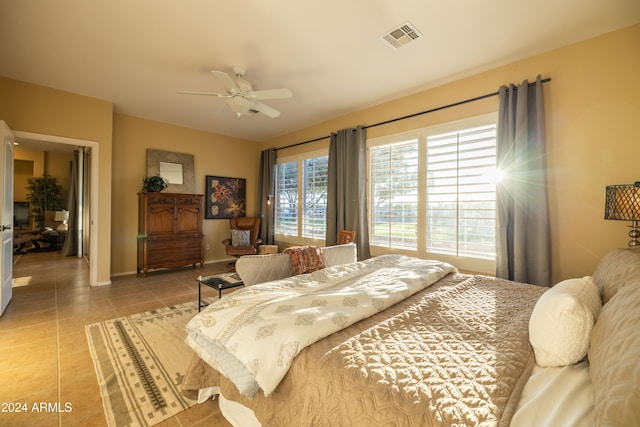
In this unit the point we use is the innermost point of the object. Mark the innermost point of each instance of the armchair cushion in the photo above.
(240, 238)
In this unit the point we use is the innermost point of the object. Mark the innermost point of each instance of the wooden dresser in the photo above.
(169, 230)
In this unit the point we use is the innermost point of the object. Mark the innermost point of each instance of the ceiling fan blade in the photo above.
(219, 95)
(271, 94)
(226, 81)
(266, 110)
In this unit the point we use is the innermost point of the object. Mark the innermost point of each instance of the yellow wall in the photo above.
(27, 164)
(36, 157)
(31, 108)
(22, 171)
(58, 165)
(213, 155)
(592, 107)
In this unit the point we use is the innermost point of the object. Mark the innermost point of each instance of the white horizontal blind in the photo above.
(461, 192)
(394, 194)
(286, 203)
(314, 193)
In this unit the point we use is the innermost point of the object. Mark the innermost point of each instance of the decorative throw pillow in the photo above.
(305, 259)
(240, 238)
(561, 323)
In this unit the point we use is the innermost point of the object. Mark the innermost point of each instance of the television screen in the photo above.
(20, 214)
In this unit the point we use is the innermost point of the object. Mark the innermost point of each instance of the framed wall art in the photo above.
(225, 197)
(176, 168)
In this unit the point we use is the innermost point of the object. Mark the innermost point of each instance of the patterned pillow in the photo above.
(240, 238)
(305, 259)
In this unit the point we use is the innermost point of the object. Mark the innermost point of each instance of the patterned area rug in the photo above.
(140, 361)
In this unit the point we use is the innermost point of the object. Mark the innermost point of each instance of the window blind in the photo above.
(314, 193)
(394, 190)
(286, 203)
(461, 192)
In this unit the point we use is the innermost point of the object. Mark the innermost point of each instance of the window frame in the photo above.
(479, 265)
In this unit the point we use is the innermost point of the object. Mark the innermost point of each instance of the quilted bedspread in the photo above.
(253, 335)
(454, 354)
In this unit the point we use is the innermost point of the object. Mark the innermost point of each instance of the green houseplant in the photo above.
(44, 194)
(153, 184)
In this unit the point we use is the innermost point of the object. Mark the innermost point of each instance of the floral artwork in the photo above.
(226, 197)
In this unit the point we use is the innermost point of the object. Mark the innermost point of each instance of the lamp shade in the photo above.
(623, 202)
(61, 216)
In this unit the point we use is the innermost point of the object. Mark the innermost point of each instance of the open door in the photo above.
(6, 195)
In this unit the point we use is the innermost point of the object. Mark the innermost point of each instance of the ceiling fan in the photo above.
(241, 97)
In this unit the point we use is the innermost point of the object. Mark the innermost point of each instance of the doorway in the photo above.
(88, 156)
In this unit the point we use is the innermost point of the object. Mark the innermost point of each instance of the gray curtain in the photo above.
(70, 246)
(523, 237)
(266, 191)
(346, 188)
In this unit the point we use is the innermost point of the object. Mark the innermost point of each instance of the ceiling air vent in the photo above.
(402, 35)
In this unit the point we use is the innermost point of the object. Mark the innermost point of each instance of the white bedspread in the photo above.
(252, 335)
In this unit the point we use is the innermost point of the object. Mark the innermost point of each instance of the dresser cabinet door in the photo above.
(189, 215)
(162, 220)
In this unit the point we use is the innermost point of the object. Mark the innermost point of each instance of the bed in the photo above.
(396, 340)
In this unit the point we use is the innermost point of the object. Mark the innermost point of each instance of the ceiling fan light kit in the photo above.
(240, 96)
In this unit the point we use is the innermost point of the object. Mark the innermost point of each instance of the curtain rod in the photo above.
(455, 104)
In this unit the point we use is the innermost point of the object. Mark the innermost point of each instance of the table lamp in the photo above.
(623, 204)
(61, 216)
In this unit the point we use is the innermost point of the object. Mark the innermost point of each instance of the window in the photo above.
(432, 191)
(461, 192)
(314, 190)
(286, 207)
(301, 199)
(394, 185)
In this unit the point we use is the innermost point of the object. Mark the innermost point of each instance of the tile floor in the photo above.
(45, 356)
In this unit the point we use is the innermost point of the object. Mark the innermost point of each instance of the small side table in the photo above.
(216, 282)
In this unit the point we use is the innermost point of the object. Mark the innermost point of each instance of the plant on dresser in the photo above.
(169, 230)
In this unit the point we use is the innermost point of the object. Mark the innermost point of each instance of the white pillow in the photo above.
(561, 323)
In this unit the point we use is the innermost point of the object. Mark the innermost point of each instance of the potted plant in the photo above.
(44, 194)
(153, 184)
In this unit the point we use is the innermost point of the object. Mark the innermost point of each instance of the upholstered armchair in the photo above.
(244, 236)
(346, 237)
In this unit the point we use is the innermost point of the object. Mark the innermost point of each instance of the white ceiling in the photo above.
(138, 53)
